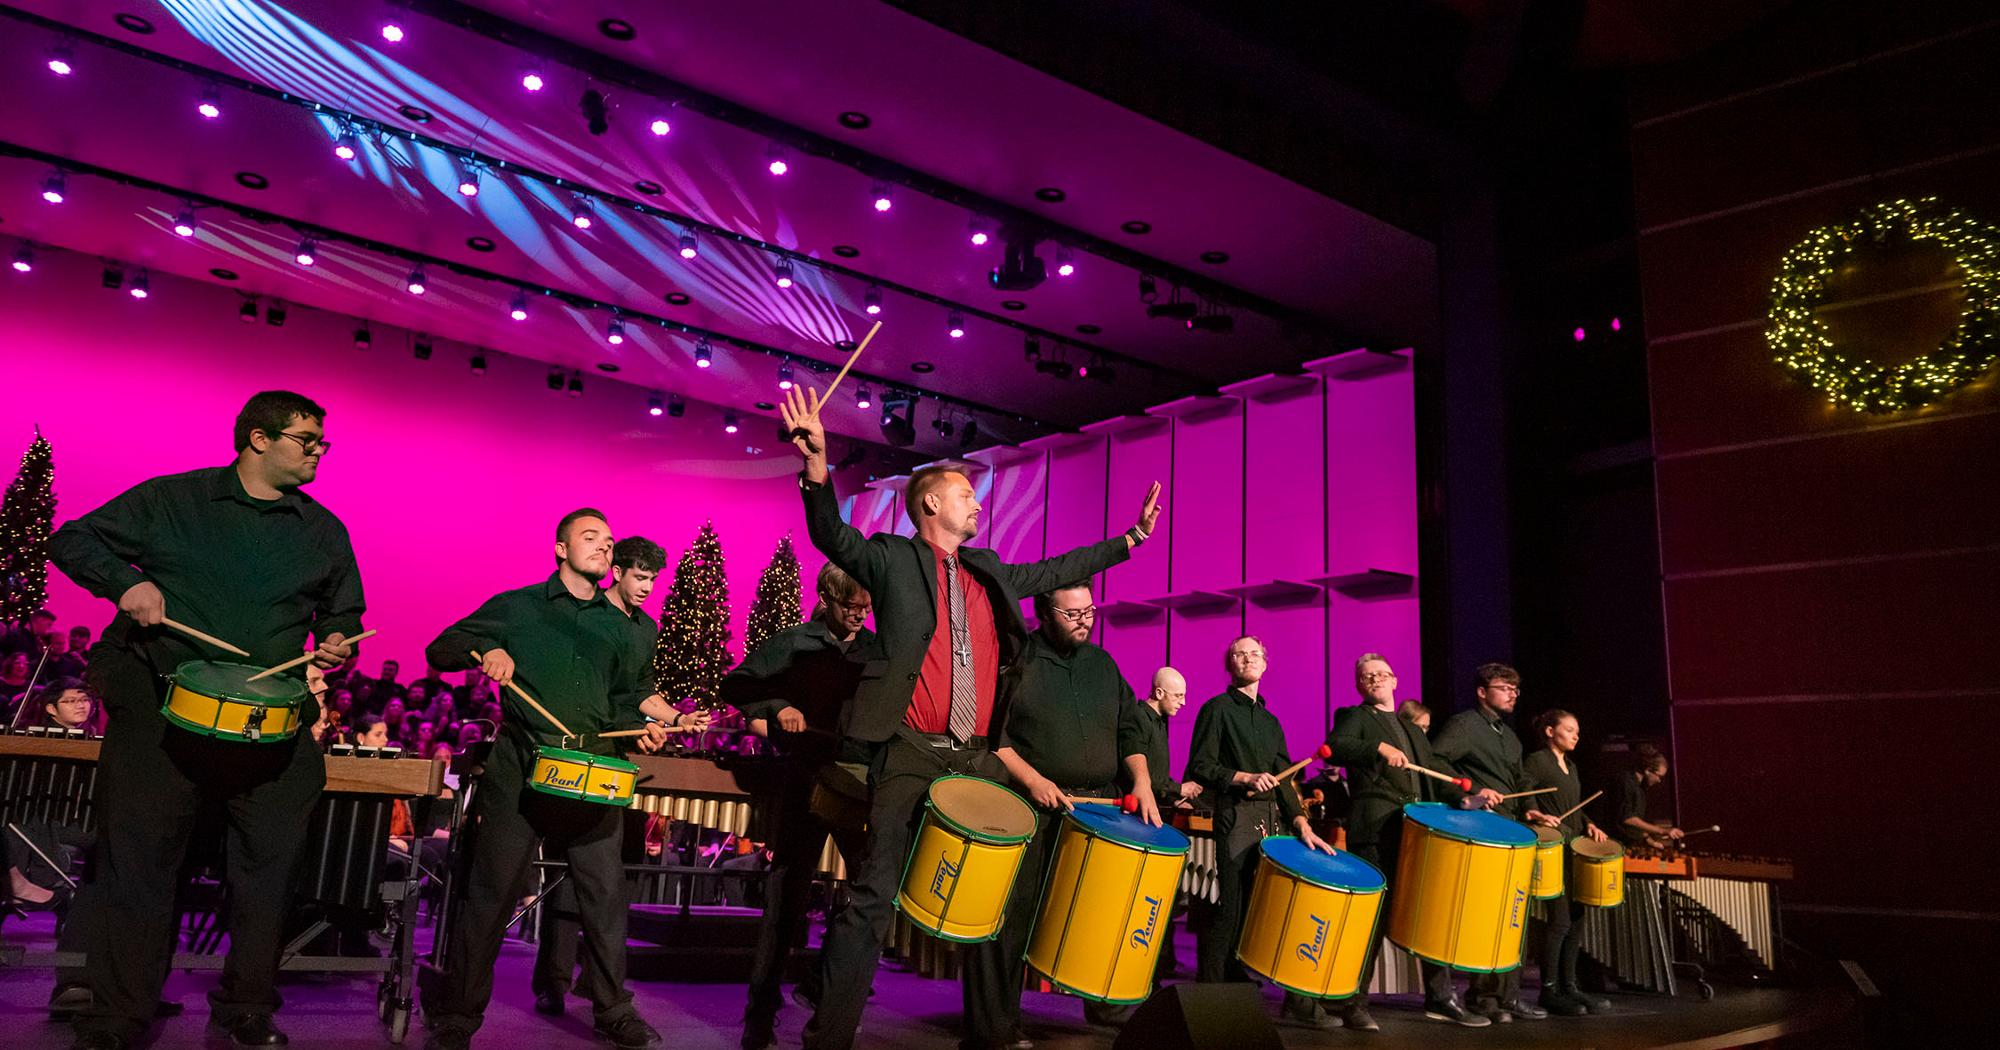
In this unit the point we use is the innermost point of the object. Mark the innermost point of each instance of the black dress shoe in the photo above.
(759, 1031)
(549, 1003)
(1305, 1013)
(1555, 1002)
(448, 1038)
(1355, 1017)
(629, 1033)
(1492, 1011)
(99, 1041)
(1451, 1010)
(250, 1030)
(68, 1000)
(1596, 1004)
(1524, 1009)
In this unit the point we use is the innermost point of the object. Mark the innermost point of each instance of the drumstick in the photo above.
(53, 866)
(523, 694)
(1580, 805)
(30, 689)
(641, 732)
(1293, 770)
(289, 664)
(209, 638)
(1525, 794)
(1460, 783)
(851, 358)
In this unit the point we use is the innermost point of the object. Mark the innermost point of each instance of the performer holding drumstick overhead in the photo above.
(243, 557)
(567, 642)
(947, 617)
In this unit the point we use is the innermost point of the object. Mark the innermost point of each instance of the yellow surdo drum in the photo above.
(583, 777)
(962, 865)
(1462, 887)
(1107, 904)
(1312, 918)
(1547, 882)
(218, 700)
(1597, 871)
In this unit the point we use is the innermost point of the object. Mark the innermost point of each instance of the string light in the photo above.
(1801, 343)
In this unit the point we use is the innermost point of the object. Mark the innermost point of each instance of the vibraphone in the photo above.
(54, 778)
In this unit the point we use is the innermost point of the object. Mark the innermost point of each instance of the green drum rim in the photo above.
(230, 735)
(586, 758)
(985, 837)
(200, 676)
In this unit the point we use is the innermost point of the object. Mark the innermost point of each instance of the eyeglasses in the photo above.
(857, 608)
(1503, 687)
(1088, 612)
(1378, 676)
(318, 445)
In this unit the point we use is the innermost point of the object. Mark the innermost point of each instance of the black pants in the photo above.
(900, 775)
(153, 779)
(1239, 827)
(559, 929)
(795, 849)
(1562, 940)
(511, 822)
(1384, 854)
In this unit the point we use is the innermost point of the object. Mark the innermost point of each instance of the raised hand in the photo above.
(800, 413)
(1149, 511)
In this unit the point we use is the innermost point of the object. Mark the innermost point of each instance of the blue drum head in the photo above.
(1469, 825)
(1340, 871)
(1110, 823)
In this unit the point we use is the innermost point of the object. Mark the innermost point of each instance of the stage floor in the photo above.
(907, 1013)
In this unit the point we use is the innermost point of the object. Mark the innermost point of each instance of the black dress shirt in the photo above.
(1631, 802)
(1486, 751)
(1152, 742)
(804, 667)
(1071, 715)
(262, 574)
(574, 655)
(1542, 772)
(1235, 732)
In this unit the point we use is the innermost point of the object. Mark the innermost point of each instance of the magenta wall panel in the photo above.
(1207, 495)
(1138, 457)
(1371, 473)
(1075, 504)
(1284, 524)
(1015, 506)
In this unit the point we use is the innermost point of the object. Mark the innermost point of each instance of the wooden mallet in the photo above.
(1125, 804)
(1685, 835)
(1292, 770)
(209, 638)
(1460, 783)
(531, 702)
(289, 664)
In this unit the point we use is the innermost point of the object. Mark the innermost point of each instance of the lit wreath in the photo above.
(1803, 345)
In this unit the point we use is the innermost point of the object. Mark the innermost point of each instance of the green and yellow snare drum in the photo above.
(964, 858)
(1597, 871)
(218, 700)
(584, 777)
(1547, 881)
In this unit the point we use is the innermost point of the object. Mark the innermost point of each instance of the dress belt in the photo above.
(944, 740)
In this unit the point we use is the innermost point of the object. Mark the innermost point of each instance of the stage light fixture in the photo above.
(784, 375)
(274, 314)
(113, 276)
(579, 214)
(576, 384)
(308, 252)
(478, 364)
(468, 179)
(210, 104)
(518, 310)
(184, 223)
(363, 338)
(981, 231)
(54, 186)
(861, 398)
(882, 198)
(784, 273)
(347, 144)
(729, 423)
(897, 428)
(1149, 289)
(1579, 335)
(968, 434)
(655, 406)
(532, 81)
(596, 115)
(556, 380)
(140, 287)
(676, 408)
(420, 348)
(417, 283)
(659, 126)
(872, 301)
(942, 426)
(1020, 269)
(1212, 322)
(1053, 367)
(62, 58)
(955, 325)
(247, 313)
(24, 262)
(1065, 261)
(1031, 349)
(775, 160)
(688, 250)
(392, 32)
(614, 333)
(704, 355)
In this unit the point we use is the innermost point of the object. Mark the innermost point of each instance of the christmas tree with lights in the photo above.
(693, 651)
(26, 517)
(776, 605)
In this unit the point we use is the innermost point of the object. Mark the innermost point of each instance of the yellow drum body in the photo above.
(1107, 905)
(962, 865)
(584, 777)
(217, 699)
(1597, 870)
(1312, 919)
(1462, 887)
(1547, 882)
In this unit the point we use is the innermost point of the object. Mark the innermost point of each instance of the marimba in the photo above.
(53, 778)
(1686, 912)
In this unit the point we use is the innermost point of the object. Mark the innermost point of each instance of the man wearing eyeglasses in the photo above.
(240, 553)
(791, 689)
(1072, 730)
(1375, 744)
(1482, 747)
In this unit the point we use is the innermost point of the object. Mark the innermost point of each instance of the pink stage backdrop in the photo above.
(450, 484)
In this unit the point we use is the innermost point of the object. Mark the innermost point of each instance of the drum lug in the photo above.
(253, 726)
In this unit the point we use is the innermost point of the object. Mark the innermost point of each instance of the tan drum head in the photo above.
(983, 808)
(1548, 837)
(1596, 850)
